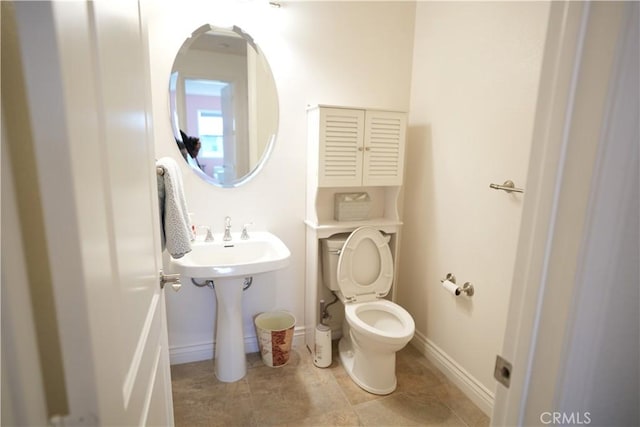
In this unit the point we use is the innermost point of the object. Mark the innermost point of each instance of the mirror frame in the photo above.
(268, 147)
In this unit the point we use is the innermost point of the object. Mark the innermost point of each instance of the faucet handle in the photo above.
(209, 236)
(245, 234)
(227, 221)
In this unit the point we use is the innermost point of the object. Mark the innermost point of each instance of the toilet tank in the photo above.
(330, 254)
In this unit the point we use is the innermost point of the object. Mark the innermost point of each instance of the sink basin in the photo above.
(261, 253)
(227, 265)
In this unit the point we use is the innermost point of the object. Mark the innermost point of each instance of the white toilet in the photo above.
(360, 271)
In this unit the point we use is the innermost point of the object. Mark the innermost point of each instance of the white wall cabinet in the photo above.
(349, 150)
(358, 147)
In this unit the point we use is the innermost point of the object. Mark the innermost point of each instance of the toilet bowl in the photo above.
(360, 272)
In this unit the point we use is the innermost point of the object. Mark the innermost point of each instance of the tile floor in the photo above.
(300, 394)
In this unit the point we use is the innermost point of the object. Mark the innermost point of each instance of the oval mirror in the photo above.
(223, 104)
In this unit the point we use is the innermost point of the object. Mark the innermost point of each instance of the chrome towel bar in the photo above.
(507, 186)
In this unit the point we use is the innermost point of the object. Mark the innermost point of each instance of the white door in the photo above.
(87, 83)
(573, 327)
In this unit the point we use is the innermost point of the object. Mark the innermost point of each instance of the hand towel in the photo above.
(174, 218)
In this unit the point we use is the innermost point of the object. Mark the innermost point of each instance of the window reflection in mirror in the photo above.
(223, 95)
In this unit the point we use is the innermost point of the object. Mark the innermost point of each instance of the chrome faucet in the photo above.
(227, 229)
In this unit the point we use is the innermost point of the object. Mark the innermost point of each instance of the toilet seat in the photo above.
(359, 281)
(381, 320)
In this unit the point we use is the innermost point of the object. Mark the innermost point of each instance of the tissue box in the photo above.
(351, 206)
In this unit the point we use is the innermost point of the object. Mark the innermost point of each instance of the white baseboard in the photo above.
(204, 351)
(471, 387)
(190, 353)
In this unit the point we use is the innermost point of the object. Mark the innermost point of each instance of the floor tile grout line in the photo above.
(344, 394)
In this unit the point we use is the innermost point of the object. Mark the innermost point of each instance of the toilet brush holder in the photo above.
(322, 346)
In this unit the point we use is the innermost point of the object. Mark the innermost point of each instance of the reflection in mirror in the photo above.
(224, 105)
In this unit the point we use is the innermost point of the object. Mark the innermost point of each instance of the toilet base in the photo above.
(350, 359)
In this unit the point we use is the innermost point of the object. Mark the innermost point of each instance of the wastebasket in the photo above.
(275, 335)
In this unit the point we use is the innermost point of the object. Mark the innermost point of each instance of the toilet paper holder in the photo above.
(467, 288)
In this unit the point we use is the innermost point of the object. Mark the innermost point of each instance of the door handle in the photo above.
(172, 279)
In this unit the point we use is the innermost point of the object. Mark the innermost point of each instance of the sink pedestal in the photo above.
(230, 362)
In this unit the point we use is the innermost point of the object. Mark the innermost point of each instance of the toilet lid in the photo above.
(365, 265)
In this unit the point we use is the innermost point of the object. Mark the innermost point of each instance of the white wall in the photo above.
(475, 77)
(355, 54)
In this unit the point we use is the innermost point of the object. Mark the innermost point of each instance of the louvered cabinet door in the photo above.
(384, 142)
(341, 147)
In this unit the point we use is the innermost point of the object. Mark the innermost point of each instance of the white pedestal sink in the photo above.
(228, 264)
